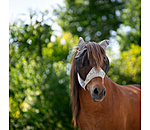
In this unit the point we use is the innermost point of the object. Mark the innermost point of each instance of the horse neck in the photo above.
(112, 92)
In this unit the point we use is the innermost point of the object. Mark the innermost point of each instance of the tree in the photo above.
(31, 37)
(91, 19)
(127, 69)
(39, 95)
(131, 16)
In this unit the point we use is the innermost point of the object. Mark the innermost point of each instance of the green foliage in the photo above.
(31, 38)
(39, 78)
(132, 14)
(91, 19)
(126, 39)
(132, 19)
(127, 69)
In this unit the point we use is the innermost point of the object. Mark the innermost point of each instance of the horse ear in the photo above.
(81, 43)
(104, 43)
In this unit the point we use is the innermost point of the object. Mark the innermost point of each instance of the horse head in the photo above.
(92, 66)
(88, 86)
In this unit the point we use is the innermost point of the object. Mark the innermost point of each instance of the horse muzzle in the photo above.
(98, 94)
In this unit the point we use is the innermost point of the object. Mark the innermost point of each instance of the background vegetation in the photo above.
(39, 69)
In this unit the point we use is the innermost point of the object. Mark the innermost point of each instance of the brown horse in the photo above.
(99, 103)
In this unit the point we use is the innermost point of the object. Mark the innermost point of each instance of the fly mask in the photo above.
(86, 72)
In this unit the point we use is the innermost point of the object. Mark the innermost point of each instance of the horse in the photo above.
(98, 103)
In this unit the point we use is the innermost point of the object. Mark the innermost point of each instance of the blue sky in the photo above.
(19, 9)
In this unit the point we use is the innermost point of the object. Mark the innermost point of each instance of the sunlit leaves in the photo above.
(90, 19)
(127, 69)
(30, 37)
(132, 14)
(39, 80)
(61, 47)
(130, 31)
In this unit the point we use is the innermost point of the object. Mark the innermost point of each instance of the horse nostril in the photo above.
(96, 90)
(104, 92)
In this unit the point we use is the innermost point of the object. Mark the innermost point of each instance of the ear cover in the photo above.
(82, 47)
(81, 43)
(104, 43)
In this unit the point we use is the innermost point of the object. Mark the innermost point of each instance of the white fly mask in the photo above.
(91, 71)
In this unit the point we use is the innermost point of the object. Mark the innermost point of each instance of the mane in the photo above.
(96, 55)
